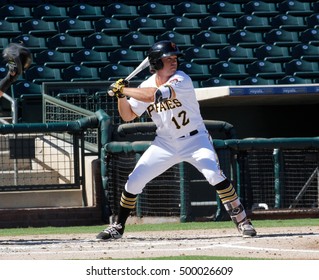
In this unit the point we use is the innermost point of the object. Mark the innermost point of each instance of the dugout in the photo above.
(264, 111)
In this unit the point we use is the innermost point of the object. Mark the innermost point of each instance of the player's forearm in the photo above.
(125, 110)
(141, 94)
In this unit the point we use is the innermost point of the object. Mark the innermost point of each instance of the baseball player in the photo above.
(18, 59)
(168, 96)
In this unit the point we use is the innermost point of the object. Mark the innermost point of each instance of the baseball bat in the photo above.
(145, 63)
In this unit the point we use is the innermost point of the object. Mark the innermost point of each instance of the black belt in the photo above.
(194, 132)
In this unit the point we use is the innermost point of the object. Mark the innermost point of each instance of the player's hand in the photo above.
(116, 89)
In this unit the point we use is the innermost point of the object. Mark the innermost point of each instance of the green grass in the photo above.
(156, 227)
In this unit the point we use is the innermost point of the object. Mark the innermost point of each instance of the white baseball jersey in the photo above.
(175, 118)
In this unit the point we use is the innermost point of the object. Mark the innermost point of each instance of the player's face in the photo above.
(170, 64)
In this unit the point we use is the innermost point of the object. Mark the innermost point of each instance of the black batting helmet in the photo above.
(159, 50)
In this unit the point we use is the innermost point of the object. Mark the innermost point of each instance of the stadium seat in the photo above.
(53, 59)
(310, 36)
(217, 23)
(14, 13)
(237, 54)
(190, 10)
(85, 11)
(201, 55)
(49, 12)
(182, 25)
(197, 72)
(288, 22)
(136, 40)
(217, 82)
(256, 81)
(293, 7)
(266, 69)
(211, 40)
(302, 68)
(113, 72)
(245, 38)
(39, 28)
(312, 21)
(4, 42)
(228, 70)
(183, 41)
(120, 11)
(293, 80)
(156, 10)
(260, 8)
(90, 58)
(225, 9)
(39, 74)
(281, 37)
(253, 23)
(147, 25)
(25, 87)
(75, 27)
(99, 41)
(79, 73)
(273, 53)
(111, 26)
(65, 43)
(9, 29)
(126, 56)
(305, 52)
(34, 44)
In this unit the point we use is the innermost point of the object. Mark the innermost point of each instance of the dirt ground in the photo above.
(300, 243)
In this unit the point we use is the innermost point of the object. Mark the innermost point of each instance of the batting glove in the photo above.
(116, 89)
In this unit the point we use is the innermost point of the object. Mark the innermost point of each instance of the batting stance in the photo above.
(169, 98)
(18, 59)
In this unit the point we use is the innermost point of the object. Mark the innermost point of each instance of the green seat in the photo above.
(210, 40)
(197, 72)
(113, 72)
(126, 56)
(147, 25)
(34, 44)
(297, 8)
(273, 53)
(201, 55)
(260, 8)
(75, 27)
(229, 70)
(90, 58)
(120, 11)
(288, 80)
(306, 52)
(310, 36)
(156, 10)
(111, 26)
(225, 9)
(281, 37)
(217, 23)
(302, 68)
(25, 87)
(15, 13)
(182, 25)
(99, 41)
(183, 41)
(53, 59)
(237, 54)
(39, 28)
(289, 22)
(190, 9)
(136, 40)
(253, 23)
(266, 69)
(79, 73)
(49, 12)
(9, 29)
(65, 43)
(39, 74)
(245, 38)
(218, 82)
(85, 11)
(256, 81)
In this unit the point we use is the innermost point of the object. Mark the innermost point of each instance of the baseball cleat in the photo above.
(246, 229)
(114, 231)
